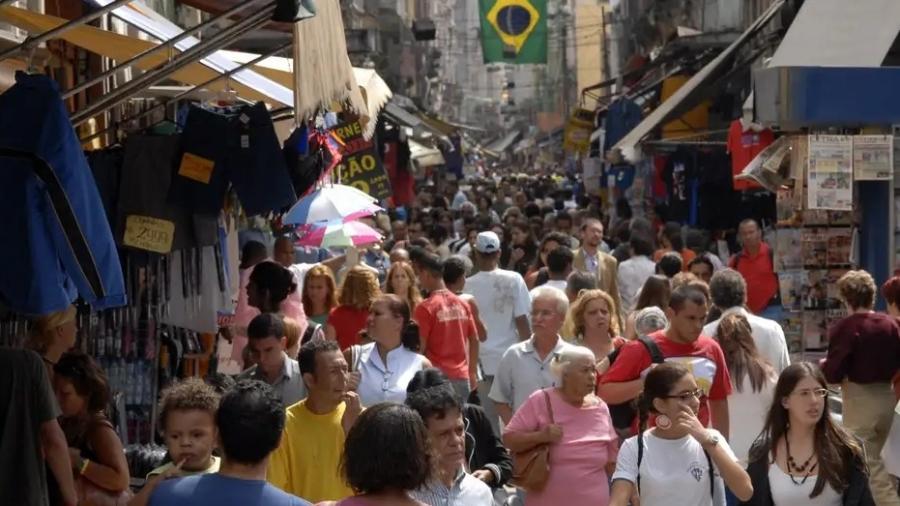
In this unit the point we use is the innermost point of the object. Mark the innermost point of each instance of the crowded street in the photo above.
(450, 253)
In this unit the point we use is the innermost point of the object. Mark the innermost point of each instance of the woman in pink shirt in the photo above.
(583, 442)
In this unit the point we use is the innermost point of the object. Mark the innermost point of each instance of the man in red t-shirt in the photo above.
(679, 342)
(447, 328)
(755, 264)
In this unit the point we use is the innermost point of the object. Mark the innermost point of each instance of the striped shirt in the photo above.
(466, 490)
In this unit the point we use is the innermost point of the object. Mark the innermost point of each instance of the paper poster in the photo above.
(840, 241)
(814, 290)
(873, 157)
(830, 174)
(788, 249)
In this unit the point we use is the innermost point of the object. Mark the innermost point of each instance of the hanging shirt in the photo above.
(623, 115)
(744, 145)
(63, 247)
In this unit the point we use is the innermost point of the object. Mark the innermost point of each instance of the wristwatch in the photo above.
(712, 439)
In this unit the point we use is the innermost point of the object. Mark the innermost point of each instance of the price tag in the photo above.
(151, 234)
(196, 168)
(245, 141)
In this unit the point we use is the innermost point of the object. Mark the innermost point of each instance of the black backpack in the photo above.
(623, 414)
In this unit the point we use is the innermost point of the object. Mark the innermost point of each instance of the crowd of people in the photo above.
(499, 346)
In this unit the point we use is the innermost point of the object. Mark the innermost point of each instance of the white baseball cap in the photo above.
(487, 242)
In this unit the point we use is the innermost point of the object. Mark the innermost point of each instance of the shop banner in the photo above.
(577, 134)
(873, 157)
(830, 172)
(361, 167)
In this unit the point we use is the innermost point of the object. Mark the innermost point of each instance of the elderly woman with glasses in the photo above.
(577, 426)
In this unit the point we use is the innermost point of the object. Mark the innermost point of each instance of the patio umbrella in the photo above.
(337, 234)
(331, 203)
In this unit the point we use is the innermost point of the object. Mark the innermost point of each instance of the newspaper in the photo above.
(873, 157)
(830, 175)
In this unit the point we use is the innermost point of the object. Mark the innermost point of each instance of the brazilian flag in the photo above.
(514, 31)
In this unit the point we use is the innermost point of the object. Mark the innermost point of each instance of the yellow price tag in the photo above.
(151, 234)
(196, 168)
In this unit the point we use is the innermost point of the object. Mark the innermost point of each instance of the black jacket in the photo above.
(856, 494)
(484, 450)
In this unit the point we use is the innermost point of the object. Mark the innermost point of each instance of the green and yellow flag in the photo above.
(514, 31)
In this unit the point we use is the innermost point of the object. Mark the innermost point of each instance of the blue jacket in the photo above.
(59, 244)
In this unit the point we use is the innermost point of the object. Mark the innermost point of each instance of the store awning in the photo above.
(692, 93)
(503, 143)
(838, 33)
(828, 69)
(120, 47)
(425, 156)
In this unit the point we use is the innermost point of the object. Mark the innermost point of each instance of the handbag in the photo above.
(531, 468)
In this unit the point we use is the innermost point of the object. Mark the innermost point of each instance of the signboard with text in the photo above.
(361, 167)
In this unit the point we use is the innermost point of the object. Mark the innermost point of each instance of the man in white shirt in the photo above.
(633, 273)
(728, 291)
(525, 367)
(504, 303)
(559, 266)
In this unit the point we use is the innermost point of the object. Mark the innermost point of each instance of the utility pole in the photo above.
(565, 59)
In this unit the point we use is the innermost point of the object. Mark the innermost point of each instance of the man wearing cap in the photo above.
(504, 303)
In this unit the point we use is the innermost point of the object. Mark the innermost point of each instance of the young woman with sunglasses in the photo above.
(802, 455)
(679, 461)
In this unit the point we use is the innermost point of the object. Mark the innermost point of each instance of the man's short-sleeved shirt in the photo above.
(501, 296)
(289, 387)
(522, 372)
(221, 491)
(446, 324)
(703, 357)
(26, 402)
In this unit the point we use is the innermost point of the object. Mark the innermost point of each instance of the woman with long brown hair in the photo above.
(319, 294)
(401, 281)
(753, 379)
(358, 291)
(94, 447)
(802, 455)
(655, 292)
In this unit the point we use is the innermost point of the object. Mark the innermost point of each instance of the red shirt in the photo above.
(759, 274)
(744, 146)
(703, 357)
(347, 322)
(863, 348)
(446, 324)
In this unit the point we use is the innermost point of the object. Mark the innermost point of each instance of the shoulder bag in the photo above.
(531, 468)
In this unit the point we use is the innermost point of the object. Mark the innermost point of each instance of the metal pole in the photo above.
(184, 59)
(195, 88)
(65, 27)
(167, 44)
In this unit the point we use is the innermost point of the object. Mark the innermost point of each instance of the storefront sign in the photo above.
(873, 157)
(361, 167)
(151, 234)
(830, 175)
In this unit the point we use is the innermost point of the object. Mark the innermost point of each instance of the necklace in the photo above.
(801, 470)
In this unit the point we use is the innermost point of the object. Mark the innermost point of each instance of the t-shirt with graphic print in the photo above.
(703, 357)
(672, 464)
(501, 296)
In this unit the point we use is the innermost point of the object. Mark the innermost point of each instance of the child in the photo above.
(187, 417)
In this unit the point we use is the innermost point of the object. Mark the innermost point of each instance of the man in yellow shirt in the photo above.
(307, 459)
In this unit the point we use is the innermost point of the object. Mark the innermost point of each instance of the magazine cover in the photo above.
(793, 332)
(788, 253)
(815, 217)
(815, 247)
(790, 284)
(840, 242)
(815, 330)
(831, 288)
(814, 291)
(787, 206)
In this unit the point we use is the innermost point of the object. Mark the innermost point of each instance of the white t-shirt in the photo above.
(786, 493)
(747, 412)
(559, 284)
(674, 472)
(501, 296)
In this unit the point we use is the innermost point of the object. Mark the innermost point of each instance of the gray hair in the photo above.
(562, 360)
(549, 292)
(728, 289)
(649, 320)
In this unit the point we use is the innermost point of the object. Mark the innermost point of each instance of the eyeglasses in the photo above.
(818, 393)
(687, 396)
